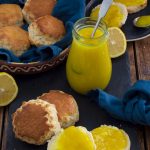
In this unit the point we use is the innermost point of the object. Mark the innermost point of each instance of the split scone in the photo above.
(33, 9)
(110, 138)
(133, 6)
(46, 30)
(15, 39)
(72, 138)
(35, 122)
(66, 107)
(115, 17)
(10, 14)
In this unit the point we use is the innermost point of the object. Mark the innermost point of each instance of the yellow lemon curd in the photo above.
(113, 17)
(131, 2)
(143, 21)
(89, 64)
(73, 138)
(110, 138)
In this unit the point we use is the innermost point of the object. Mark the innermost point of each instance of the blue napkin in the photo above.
(69, 11)
(133, 107)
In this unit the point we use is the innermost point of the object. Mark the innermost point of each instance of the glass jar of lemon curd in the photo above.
(88, 65)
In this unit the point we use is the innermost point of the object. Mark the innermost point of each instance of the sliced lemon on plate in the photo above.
(72, 138)
(8, 89)
(117, 42)
(110, 138)
(115, 17)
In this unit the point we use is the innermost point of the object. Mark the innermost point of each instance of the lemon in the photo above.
(72, 138)
(115, 17)
(110, 138)
(8, 89)
(117, 42)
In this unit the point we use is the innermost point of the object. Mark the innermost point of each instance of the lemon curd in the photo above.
(110, 138)
(110, 19)
(89, 64)
(73, 138)
(131, 2)
(143, 21)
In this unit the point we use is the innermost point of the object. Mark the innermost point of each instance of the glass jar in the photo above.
(89, 65)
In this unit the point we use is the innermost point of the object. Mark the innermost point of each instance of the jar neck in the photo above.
(88, 25)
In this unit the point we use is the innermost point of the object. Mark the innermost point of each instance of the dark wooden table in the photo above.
(139, 58)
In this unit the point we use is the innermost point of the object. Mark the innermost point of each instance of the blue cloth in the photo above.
(133, 107)
(69, 11)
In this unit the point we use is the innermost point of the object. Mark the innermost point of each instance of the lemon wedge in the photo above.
(8, 89)
(115, 17)
(117, 42)
(110, 138)
(72, 138)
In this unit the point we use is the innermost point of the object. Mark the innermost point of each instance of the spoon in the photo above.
(142, 21)
(102, 12)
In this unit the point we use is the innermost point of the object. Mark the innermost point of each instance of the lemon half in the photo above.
(117, 42)
(72, 138)
(115, 17)
(8, 89)
(110, 138)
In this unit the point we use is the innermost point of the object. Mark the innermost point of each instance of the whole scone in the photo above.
(34, 9)
(46, 30)
(10, 14)
(66, 107)
(15, 39)
(35, 122)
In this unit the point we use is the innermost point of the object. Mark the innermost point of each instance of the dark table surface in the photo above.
(139, 63)
(139, 60)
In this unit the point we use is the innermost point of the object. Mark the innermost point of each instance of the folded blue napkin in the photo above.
(69, 11)
(133, 107)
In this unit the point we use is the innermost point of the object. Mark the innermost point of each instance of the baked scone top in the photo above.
(34, 9)
(10, 14)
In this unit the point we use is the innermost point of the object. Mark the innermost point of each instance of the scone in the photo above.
(111, 20)
(110, 138)
(66, 107)
(15, 39)
(10, 14)
(72, 138)
(35, 122)
(46, 30)
(133, 6)
(34, 9)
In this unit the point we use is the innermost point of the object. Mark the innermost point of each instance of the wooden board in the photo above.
(142, 53)
(1, 125)
(91, 115)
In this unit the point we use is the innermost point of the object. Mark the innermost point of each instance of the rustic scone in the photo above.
(35, 122)
(34, 9)
(66, 107)
(46, 30)
(133, 6)
(10, 14)
(15, 39)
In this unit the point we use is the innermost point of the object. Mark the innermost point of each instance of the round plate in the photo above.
(132, 33)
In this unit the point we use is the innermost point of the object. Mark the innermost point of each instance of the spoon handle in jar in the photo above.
(102, 12)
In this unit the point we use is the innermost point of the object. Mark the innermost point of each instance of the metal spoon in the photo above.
(147, 25)
(102, 12)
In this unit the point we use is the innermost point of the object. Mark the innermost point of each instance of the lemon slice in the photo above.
(117, 42)
(8, 89)
(115, 17)
(72, 138)
(110, 138)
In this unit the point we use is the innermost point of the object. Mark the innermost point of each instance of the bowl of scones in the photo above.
(43, 30)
